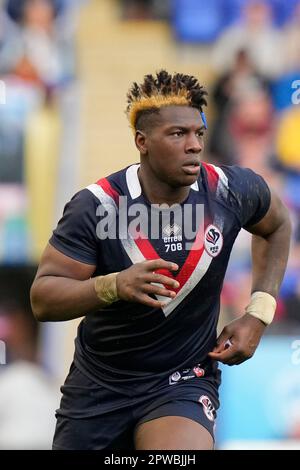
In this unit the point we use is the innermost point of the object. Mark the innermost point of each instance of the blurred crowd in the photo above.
(38, 75)
(257, 125)
(38, 70)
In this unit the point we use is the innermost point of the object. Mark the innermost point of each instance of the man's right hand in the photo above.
(136, 283)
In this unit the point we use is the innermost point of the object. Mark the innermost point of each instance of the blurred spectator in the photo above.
(27, 400)
(18, 330)
(251, 128)
(137, 9)
(15, 8)
(145, 9)
(256, 34)
(240, 81)
(27, 395)
(291, 35)
(35, 57)
(21, 99)
(37, 51)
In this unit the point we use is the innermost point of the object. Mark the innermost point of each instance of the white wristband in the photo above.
(262, 306)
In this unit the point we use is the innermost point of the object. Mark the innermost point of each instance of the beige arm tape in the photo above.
(262, 306)
(106, 288)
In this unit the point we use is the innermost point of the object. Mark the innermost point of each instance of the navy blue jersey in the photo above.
(130, 342)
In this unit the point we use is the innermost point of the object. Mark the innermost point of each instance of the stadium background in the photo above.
(63, 83)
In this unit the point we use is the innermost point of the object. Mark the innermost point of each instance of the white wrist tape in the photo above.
(262, 306)
(106, 288)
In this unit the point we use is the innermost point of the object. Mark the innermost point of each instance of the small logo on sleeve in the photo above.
(213, 240)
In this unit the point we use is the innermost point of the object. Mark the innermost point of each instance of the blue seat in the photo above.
(197, 21)
(283, 10)
(232, 11)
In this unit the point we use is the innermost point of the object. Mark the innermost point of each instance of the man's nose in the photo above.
(193, 144)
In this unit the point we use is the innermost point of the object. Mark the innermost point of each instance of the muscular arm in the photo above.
(270, 248)
(63, 288)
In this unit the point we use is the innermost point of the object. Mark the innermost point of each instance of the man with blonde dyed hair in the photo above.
(145, 372)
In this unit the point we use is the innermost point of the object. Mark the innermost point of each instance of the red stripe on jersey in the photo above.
(189, 265)
(107, 187)
(146, 248)
(212, 176)
(192, 260)
(150, 253)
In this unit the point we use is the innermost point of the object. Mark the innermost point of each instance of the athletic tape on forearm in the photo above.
(106, 288)
(262, 306)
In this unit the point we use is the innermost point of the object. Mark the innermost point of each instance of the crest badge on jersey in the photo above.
(213, 240)
(208, 407)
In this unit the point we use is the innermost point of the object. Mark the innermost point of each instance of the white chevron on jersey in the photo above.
(196, 276)
(133, 182)
(136, 256)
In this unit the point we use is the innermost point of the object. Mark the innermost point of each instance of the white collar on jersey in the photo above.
(133, 182)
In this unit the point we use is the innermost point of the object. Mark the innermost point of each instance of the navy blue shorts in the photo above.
(92, 417)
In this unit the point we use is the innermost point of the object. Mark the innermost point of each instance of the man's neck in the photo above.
(158, 192)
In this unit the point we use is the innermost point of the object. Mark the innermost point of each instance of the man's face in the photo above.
(172, 147)
(39, 14)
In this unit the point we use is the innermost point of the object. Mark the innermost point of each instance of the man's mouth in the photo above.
(191, 168)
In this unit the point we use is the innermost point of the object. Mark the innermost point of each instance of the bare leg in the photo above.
(172, 433)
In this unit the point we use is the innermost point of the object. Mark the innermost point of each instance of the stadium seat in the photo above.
(197, 21)
(283, 10)
(232, 11)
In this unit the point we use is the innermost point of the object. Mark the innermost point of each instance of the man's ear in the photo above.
(140, 142)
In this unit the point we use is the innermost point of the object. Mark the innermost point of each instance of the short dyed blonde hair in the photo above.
(161, 90)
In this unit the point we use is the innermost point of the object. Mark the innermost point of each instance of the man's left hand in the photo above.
(238, 340)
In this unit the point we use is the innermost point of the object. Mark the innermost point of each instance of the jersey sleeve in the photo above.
(249, 193)
(75, 234)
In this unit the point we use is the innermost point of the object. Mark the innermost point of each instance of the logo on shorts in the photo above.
(174, 377)
(213, 240)
(208, 407)
(198, 371)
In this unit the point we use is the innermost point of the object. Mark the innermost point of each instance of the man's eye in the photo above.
(178, 133)
(200, 134)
